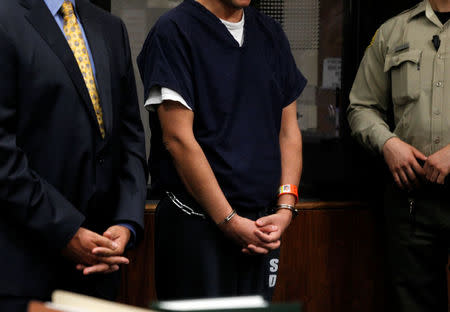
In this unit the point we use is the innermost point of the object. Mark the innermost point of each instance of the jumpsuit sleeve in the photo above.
(165, 61)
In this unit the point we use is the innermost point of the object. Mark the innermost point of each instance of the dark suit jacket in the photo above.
(56, 172)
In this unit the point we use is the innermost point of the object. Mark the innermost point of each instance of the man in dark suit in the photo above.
(72, 156)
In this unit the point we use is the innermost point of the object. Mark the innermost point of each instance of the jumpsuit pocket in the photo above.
(405, 75)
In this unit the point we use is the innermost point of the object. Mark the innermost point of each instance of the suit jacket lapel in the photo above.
(100, 54)
(40, 17)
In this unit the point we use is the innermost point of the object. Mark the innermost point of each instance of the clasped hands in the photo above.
(402, 160)
(260, 236)
(95, 253)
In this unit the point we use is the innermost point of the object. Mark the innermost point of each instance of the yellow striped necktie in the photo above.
(76, 42)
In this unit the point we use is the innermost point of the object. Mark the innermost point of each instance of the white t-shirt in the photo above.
(157, 94)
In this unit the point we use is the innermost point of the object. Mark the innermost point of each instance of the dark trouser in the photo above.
(103, 286)
(418, 235)
(100, 286)
(194, 259)
(14, 304)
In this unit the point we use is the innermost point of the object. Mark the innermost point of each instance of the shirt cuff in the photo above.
(380, 137)
(132, 240)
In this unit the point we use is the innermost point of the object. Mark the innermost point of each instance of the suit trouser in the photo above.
(104, 286)
(194, 259)
(418, 235)
(14, 304)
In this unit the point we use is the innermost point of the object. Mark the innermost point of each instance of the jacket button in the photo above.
(101, 161)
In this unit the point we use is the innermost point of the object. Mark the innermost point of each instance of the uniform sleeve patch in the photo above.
(373, 39)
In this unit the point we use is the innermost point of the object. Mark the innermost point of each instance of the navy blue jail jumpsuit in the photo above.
(237, 95)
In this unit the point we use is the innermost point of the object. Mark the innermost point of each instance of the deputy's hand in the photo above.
(401, 159)
(79, 249)
(437, 166)
(242, 231)
(120, 235)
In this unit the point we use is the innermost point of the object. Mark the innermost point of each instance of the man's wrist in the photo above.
(132, 234)
(386, 140)
(227, 218)
(228, 226)
(287, 199)
(287, 210)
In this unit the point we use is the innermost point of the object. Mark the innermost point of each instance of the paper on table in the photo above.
(245, 302)
(80, 303)
(64, 308)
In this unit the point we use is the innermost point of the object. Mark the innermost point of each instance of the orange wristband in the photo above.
(288, 189)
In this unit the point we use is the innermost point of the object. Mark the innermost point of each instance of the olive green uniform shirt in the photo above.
(402, 72)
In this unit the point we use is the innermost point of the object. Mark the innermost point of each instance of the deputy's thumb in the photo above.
(418, 154)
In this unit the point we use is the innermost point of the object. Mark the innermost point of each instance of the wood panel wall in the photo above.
(331, 261)
(138, 283)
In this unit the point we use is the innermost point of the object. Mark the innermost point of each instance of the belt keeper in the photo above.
(228, 218)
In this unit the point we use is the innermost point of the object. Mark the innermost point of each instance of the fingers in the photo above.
(429, 172)
(113, 232)
(434, 175)
(268, 238)
(80, 267)
(113, 268)
(264, 249)
(418, 154)
(397, 180)
(406, 177)
(89, 259)
(264, 221)
(94, 260)
(100, 268)
(268, 246)
(106, 252)
(418, 169)
(403, 161)
(269, 229)
(441, 179)
(109, 234)
(404, 180)
(97, 268)
(412, 176)
(257, 250)
(273, 246)
(105, 242)
(114, 260)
